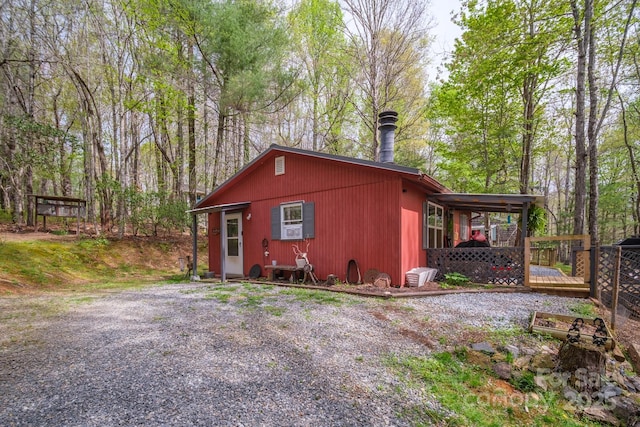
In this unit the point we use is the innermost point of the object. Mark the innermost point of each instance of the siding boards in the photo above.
(357, 215)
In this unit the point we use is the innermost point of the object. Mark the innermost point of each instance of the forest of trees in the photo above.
(138, 105)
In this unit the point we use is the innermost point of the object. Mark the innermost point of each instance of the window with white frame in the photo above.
(291, 221)
(464, 227)
(433, 225)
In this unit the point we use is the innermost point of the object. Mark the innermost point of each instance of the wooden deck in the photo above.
(556, 283)
(562, 281)
(560, 285)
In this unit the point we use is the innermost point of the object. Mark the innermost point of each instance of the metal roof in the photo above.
(462, 201)
(379, 165)
(218, 208)
(489, 202)
(408, 172)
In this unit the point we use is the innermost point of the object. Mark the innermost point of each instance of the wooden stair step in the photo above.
(578, 292)
(558, 285)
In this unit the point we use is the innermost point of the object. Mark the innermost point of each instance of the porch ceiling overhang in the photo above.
(489, 202)
(220, 208)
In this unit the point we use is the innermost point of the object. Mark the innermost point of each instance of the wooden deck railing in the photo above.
(499, 266)
(504, 266)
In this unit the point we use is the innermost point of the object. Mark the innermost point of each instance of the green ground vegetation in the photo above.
(89, 263)
(468, 395)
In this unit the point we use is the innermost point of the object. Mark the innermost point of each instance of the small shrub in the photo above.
(525, 383)
(456, 279)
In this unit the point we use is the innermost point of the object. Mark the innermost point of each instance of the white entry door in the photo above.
(233, 256)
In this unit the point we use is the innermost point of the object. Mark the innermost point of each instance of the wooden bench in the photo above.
(271, 269)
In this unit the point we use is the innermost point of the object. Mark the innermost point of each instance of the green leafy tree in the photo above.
(503, 65)
(243, 44)
(316, 34)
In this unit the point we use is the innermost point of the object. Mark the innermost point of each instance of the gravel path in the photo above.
(544, 271)
(232, 355)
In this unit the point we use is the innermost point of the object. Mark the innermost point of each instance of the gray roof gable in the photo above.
(391, 167)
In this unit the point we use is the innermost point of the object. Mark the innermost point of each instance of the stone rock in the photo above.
(625, 409)
(617, 354)
(529, 351)
(479, 359)
(542, 361)
(599, 414)
(570, 394)
(483, 347)
(618, 378)
(541, 382)
(634, 355)
(609, 391)
(547, 349)
(512, 350)
(629, 385)
(503, 370)
(522, 362)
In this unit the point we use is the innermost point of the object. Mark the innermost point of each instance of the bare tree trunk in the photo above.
(582, 38)
(246, 140)
(31, 107)
(135, 167)
(177, 166)
(89, 173)
(381, 32)
(527, 131)
(592, 136)
(594, 124)
(205, 137)
(632, 162)
(222, 120)
(315, 118)
(18, 200)
(191, 123)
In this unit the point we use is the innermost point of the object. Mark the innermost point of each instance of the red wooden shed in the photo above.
(382, 215)
(343, 208)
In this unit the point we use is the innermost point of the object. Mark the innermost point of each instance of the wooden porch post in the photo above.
(594, 291)
(525, 223)
(194, 276)
(223, 246)
(586, 243)
(527, 260)
(616, 287)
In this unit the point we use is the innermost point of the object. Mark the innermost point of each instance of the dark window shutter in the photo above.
(308, 220)
(425, 237)
(275, 223)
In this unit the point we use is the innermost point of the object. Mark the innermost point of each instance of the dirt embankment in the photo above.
(36, 261)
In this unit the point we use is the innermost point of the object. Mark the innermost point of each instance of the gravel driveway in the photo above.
(228, 355)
